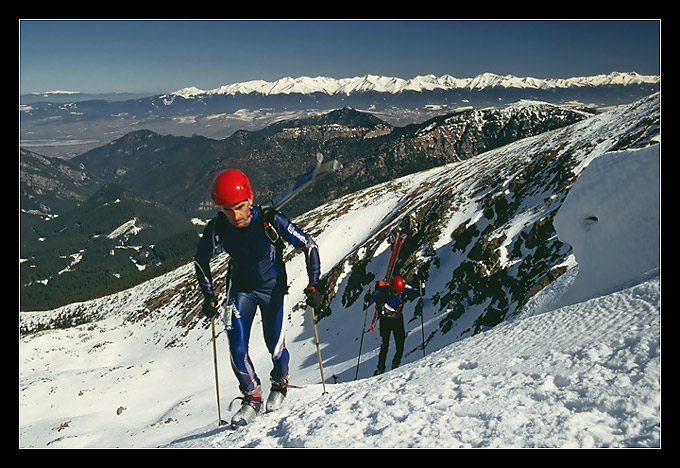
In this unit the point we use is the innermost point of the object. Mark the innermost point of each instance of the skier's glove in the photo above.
(314, 297)
(367, 300)
(209, 307)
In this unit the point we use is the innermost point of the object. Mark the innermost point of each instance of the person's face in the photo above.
(239, 214)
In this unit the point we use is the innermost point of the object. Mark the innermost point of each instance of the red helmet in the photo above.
(397, 285)
(231, 186)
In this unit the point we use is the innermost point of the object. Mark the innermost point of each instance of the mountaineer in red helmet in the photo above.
(253, 237)
(390, 299)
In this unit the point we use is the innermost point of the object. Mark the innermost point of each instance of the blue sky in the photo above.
(101, 56)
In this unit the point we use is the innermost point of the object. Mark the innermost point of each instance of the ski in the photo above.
(323, 167)
(395, 256)
(390, 264)
(400, 238)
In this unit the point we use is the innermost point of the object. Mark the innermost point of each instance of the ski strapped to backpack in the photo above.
(399, 241)
(323, 167)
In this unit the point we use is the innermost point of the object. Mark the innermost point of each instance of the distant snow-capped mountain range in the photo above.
(393, 85)
(49, 121)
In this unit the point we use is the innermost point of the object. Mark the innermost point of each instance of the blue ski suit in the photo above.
(258, 278)
(390, 307)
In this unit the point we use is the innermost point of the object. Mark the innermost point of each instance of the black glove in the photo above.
(209, 307)
(314, 297)
(367, 299)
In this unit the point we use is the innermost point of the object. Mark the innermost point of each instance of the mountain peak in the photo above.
(346, 116)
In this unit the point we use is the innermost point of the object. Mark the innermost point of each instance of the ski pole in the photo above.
(217, 382)
(422, 307)
(422, 326)
(318, 350)
(361, 342)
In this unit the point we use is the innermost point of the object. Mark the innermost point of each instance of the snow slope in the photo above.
(583, 375)
(576, 369)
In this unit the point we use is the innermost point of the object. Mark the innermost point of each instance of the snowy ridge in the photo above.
(576, 368)
(384, 84)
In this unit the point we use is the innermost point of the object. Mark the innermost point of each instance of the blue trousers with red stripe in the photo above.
(270, 300)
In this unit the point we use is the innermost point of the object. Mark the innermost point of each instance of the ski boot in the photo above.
(250, 407)
(277, 394)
